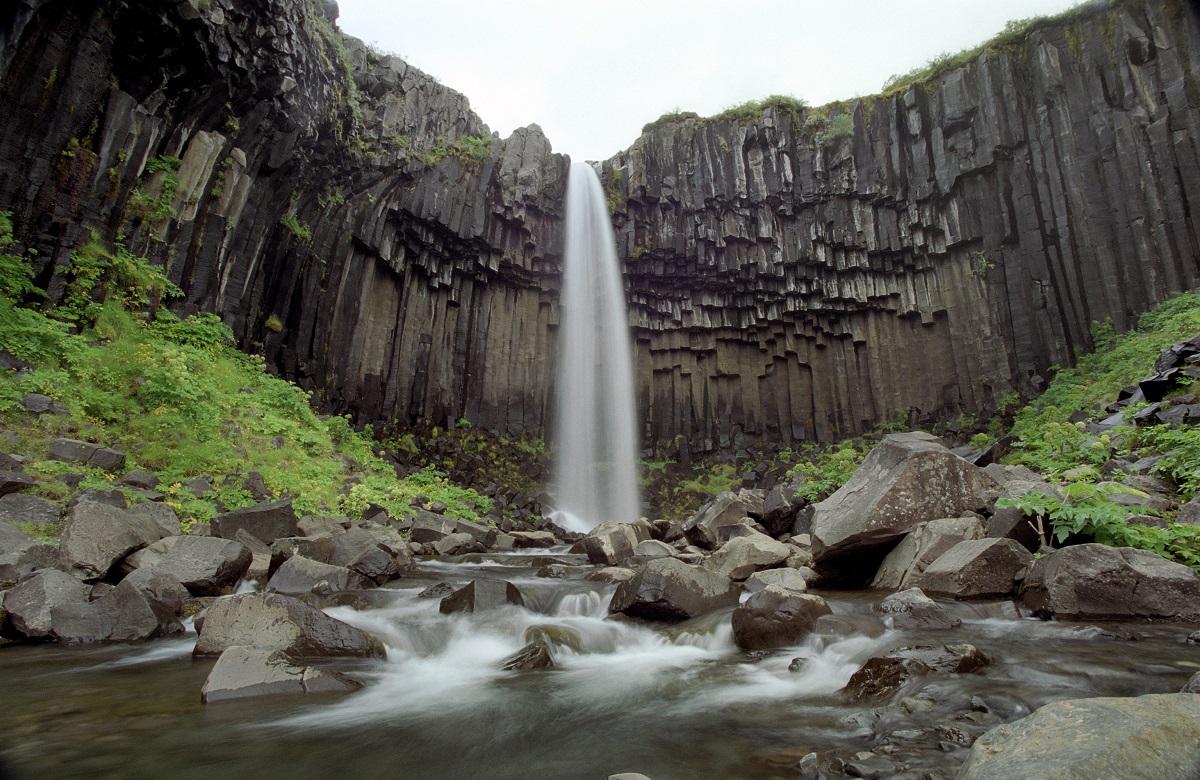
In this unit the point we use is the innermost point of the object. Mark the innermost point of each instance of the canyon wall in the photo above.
(354, 222)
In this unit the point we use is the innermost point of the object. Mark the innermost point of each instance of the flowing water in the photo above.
(596, 469)
(676, 702)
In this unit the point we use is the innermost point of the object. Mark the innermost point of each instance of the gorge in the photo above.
(355, 223)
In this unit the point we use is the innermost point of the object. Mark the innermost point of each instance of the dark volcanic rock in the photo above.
(911, 608)
(267, 522)
(1094, 581)
(242, 672)
(882, 676)
(278, 622)
(479, 595)
(97, 536)
(775, 617)
(669, 589)
(20, 508)
(299, 575)
(205, 565)
(977, 568)
(30, 603)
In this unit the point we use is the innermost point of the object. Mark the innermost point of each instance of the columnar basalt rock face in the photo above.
(419, 278)
(784, 286)
(948, 251)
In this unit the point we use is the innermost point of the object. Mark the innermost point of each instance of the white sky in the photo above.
(592, 73)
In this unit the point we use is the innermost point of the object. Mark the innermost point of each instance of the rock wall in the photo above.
(354, 222)
(790, 284)
(349, 217)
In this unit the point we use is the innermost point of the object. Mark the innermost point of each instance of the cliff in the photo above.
(792, 274)
(948, 246)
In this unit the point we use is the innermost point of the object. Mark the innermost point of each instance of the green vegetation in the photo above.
(827, 131)
(1046, 439)
(752, 111)
(469, 149)
(179, 399)
(612, 191)
(297, 228)
(670, 118)
(152, 201)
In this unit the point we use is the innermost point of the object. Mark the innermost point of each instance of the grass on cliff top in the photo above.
(178, 399)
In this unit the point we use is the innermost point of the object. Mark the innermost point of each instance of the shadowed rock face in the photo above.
(949, 250)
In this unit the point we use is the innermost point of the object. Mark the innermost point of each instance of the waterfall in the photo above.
(596, 464)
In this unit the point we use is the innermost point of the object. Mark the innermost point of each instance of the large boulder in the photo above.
(31, 602)
(780, 507)
(1152, 737)
(430, 528)
(669, 589)
(139, 613)
(74, 451)
(977, 568)
(788, 579)
(908, 478)
(21, 554)
(728, 508)
(162, 515)
(374, 551)
(299, 576)
(267, 521)
(278, 622)
(480, 595)
(206, 566)
(243, 672)
(160, 587)
(97, 536)
(775, 617)
(23, 508)
(743, 555)
(1095, 581)
(922, 546)
(611, 543)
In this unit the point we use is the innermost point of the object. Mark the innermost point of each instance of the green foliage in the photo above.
(612, 191)
(16, 274)
(274, 324)
(1179, 449)
(752, 110)
(827, 131)
(297, 228)
(99, 275)
(670, 118)
(153, 199)
(469, 149)
(1087, 511)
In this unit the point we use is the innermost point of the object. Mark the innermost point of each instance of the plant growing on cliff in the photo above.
(100, 276)
(16, 274)
(297, 228)
(153, 200)
(470, 149)
(612, 191)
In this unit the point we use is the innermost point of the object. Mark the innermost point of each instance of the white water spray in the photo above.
(596, 470)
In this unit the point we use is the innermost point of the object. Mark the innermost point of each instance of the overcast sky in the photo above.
(592, 73)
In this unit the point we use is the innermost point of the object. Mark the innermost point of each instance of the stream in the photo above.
(680, 702)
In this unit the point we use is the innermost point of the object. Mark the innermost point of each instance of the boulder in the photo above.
(480, 595)
(907, 479)
(318, 547)
(1152, 736)
(374, 551)
(775, 617)
(266, 521)
(22, 508)
(780, 508)
(1012, 523)
(143, 480)
(22, 556)
(31, 602)
(299, 576)
(206, 565)
(260, 552)
(1094, 581)
(139, 615)
(880, 677)
(912, 609)
(1192, 685)
(920, 547)
(788, 579)
(535, 655)
(652, 548)
(13, 481)
(278, 622)
(162, 515)
(73, 451)
(742, 556)
(316, 525)
(611, 543)
(242, 672)
(457, 544)
(526, 539)
(97, 536)
(160, 587)
(977, 568)
(669, 589)
(727, 508)
(610, 574)
(428, 528)
(113, 497)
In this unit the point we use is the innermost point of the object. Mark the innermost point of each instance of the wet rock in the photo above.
(457, 544)
(318, 547)
(788, 579)
(279, 622)
(97, 536)
(1192, 685)
(535, 655)
(22, 508)
(113, 497)
(299, 576)
(205, 565)
(611, 574)
(905, 480)
(377, 552)
(317, 525)
(31, 602)
(726, 509)
(871, 767)
(482, 594)
(160, 587)
(652, 548)
(1097, 582)
(922, 546)
(243, 672)
(628, 776)
(977, 568)
(912, 609)
(438, 590)
(880, 677)
(1104, 634)
(162, 515)
(73, 451)
(669, 589)
(260, 552)
(527, 539)
(742, 556)
(775, 617)
(267, 522)
(1151, 736)
(138, 616)
(779, 509)
(611, 543)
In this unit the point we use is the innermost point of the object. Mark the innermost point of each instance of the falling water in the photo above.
(596, 473)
